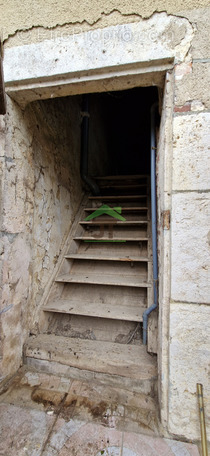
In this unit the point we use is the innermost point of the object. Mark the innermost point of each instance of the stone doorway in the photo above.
(59, 76)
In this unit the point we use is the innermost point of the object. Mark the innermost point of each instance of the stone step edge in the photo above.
(147, 387)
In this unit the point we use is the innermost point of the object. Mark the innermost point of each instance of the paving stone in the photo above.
(143, 445)
(76, 386)
(21, 396)
(31, 379)
(110, 451)
(44, 380)
(91, 439)
(50, 399)
(35, 422)
(54, 382)
(23, 431)
(141, 420)
(65, 385)
(86, 409)
(61, 434)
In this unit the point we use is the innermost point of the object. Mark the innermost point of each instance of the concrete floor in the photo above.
(47, 415)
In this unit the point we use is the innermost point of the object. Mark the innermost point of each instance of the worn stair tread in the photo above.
(112, 221)
(102, 293)
(122, 177)
(123, 209)
(84, 256)
(104, 279)
(116, 197)
(131, 361)
(112, 231)
(119, 249)
(96, 309)
(107, 239)
(122, 186)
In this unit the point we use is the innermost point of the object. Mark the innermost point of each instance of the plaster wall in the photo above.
(42, 191)
(16, 242)
(34, 22)
(57, 191)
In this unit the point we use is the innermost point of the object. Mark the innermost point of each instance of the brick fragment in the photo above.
(185, 108)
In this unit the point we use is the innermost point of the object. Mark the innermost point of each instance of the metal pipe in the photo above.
(154, 222)
(202, 419)
(84, 147)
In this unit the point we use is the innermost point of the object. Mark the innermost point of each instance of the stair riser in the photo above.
(141, 203)
(103, 293)
(129, 249)
(121, 191)
(113, 231)
(147, 386)
(93, 328)
(88, 267)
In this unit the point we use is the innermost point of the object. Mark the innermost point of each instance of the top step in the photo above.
(116, 197)
(122, 186)
(123, 177)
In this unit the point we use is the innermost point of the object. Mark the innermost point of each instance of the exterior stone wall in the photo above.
(41, 193)
(189, 350)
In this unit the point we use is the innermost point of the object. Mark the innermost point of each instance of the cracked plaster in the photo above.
(42, 191)
(95, 14)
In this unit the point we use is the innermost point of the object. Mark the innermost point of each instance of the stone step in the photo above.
(116, 364)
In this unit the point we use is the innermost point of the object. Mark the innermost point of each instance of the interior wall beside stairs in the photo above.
(42, 191)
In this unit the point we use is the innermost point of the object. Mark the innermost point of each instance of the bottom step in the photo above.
(128, 366)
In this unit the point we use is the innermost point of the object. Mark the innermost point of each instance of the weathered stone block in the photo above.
(193, 85)
(190, 247)
(159, 37)
(191, 152)
(189, 364)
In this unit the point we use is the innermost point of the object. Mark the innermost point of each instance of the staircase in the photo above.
(104, 285)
